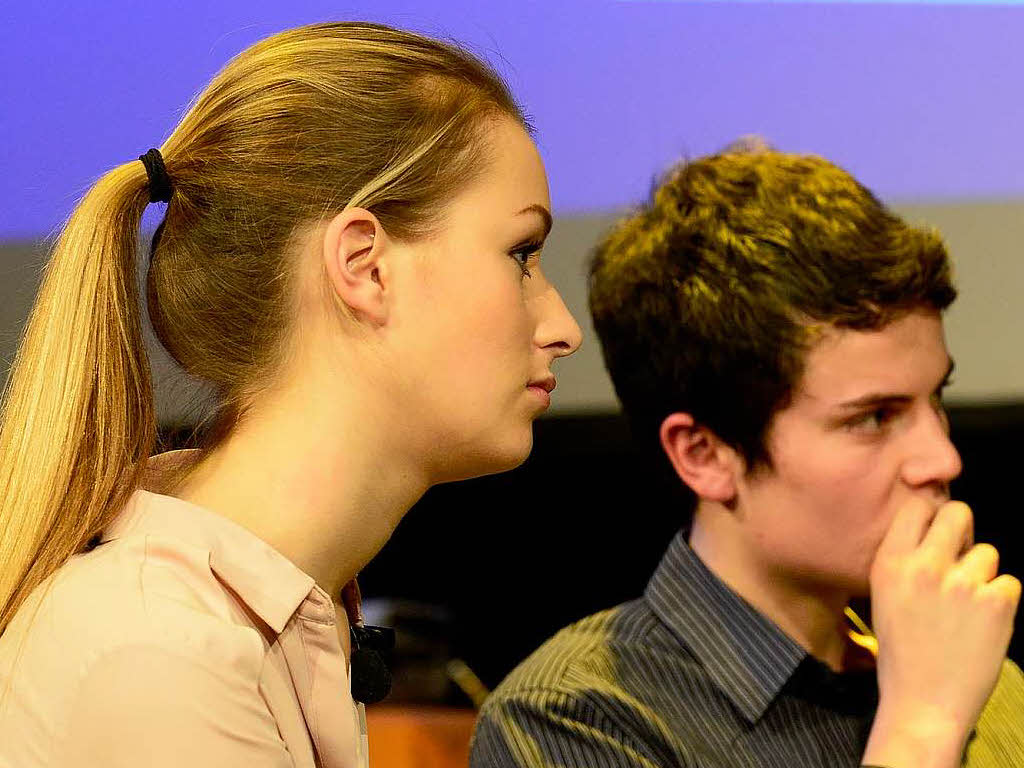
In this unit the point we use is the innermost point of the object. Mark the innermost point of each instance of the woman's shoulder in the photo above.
(140, 591)
(138, 630)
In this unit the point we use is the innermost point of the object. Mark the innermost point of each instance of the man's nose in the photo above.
(934, 460)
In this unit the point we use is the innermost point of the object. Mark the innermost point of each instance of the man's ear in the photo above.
(355, 254)
(701, 459)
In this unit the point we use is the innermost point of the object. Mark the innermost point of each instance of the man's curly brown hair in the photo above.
(705, 299)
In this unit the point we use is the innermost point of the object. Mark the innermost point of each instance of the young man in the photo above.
(779, 332)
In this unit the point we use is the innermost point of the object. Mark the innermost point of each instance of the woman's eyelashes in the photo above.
(524, 253)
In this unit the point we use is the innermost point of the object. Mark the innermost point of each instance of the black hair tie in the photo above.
(160, 189)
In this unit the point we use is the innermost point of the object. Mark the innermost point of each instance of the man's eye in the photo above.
(872, 420)
(939, 406)
(939, 397)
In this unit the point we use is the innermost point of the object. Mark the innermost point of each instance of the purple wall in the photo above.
(921, 101)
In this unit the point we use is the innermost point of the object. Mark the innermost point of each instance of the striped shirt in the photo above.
(692, 675)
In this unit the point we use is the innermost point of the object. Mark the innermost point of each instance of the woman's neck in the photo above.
(315, 477)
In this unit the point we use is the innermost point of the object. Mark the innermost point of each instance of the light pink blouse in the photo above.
(182, 640)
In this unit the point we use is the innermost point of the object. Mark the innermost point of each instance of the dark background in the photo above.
(582, 524)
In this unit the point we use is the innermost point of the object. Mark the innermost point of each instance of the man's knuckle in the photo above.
(924, 573)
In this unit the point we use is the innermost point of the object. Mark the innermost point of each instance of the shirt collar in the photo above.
(746, 655)
(268, 582)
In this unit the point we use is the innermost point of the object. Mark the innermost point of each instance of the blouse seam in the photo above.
(314, 727)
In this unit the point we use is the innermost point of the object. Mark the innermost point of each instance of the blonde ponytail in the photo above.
(78, 414)
(291, 131)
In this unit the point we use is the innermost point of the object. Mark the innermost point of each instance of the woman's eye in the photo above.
(522, 256)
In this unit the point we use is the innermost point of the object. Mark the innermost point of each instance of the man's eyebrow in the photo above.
(543, 212)
(882, 398)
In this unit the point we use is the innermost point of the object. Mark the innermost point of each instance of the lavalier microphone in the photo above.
(371, 678)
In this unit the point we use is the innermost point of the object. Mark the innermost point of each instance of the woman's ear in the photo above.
(702, 460)
(355, 254)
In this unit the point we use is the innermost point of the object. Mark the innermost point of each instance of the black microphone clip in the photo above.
(371, 679)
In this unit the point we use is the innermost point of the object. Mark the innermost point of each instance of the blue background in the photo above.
(922, 101)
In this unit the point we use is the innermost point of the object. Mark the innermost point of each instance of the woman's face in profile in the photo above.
(481, 323)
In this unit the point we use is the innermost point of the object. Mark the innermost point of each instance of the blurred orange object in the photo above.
(419, 736)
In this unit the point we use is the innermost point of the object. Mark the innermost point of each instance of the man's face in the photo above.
(865, 432)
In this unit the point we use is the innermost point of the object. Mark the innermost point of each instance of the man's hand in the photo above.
(943, 619)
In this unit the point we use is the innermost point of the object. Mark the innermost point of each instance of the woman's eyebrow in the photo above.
(541, 211)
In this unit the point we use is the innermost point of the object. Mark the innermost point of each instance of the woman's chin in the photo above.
(491, 460)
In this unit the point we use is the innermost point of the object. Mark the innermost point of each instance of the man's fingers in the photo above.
(951, 532)
(1006, 589)
(907, 528)
(981, 563)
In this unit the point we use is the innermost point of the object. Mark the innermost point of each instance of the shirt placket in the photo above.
(317, 665)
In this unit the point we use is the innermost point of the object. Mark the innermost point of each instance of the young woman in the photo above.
(350, 258)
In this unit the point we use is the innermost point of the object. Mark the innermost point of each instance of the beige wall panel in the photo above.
(985, 326)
